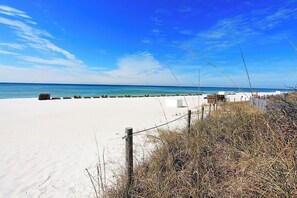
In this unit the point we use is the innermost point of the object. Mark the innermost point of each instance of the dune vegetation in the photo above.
(237, 151)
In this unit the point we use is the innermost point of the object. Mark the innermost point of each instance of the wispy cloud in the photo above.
(13, 12)
(55, 61)
(7, 52)
(36, 39)
(43, 61)
(138, 68)
(276, 18)
(234, 31)
(12, 45)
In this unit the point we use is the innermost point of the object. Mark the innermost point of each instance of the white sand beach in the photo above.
(45, 146)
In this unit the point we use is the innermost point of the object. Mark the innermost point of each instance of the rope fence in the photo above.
(192, 111)
(129, 140)
(158, 126)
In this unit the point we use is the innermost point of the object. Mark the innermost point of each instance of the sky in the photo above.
(153, 42)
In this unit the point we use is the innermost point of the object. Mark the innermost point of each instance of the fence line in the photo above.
(260, 103)
(129, 142)
(187, 114)
(151, 128)
(263, 103)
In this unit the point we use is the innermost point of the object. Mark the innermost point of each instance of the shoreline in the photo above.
(144, 96)
(67, 90)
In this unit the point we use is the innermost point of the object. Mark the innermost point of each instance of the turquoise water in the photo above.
(32, 90)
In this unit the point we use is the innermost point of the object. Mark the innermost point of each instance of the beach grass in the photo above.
(237, 151)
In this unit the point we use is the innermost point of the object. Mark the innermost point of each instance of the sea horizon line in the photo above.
(135, 85)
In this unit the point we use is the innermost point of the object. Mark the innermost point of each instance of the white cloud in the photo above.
(55, 61)
(141, 68)
(233, 31)
(142, 62)
(13, 12)
(36, 39)
(281, 13)
(55, 64)
(50, 74)
(12, 45)
(7, 52)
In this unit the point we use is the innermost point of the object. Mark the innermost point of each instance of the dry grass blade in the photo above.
(211, 64)
(92, 179)
(246, 70)
(178, 84)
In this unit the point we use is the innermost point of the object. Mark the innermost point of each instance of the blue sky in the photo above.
(139, 42)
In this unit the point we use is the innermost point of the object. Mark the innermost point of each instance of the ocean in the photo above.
(32, 90)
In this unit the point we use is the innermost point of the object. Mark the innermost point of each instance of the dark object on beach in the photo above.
(44, 96)
(77, 97)
(214, 98)
(96, 96)
(56, 98)
(127, 96)
(67, 98)
(147, 95)
(87, 97)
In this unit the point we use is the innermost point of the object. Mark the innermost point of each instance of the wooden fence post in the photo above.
(209, 108)
(129, 160)
(202, 113)
(189, 121)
